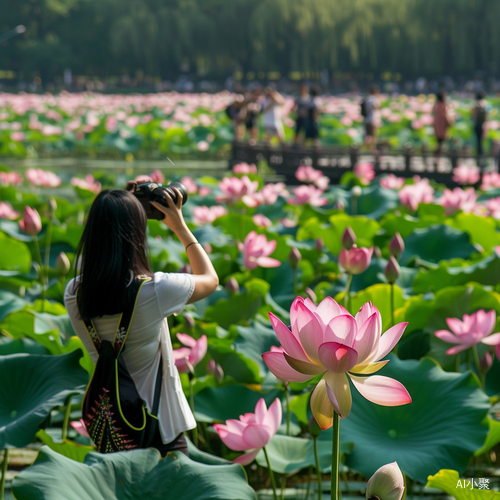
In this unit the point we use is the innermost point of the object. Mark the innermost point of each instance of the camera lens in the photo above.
(173, 193)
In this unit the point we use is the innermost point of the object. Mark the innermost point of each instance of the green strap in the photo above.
(123, 328)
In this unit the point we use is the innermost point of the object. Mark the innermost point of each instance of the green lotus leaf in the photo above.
(482, 230)
(450, 482)
(23, 345)
(10, 302)
(12, 228)
(436, 243)
(406, 224)
(241, 306)
(36, 384)
(376, 201)
(289, 454)
(363, 227)
(67, 448)
(129, 475)
(492, 439)
(236, 225)
(420, 436)
(222, 403)
(15, 255)
(485, 271)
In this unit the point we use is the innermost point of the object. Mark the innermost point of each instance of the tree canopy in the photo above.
(214, 38)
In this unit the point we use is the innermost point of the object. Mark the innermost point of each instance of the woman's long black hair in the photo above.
(112, 250)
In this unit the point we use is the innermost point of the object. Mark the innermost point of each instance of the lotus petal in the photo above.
(321, 407)
(369, 368)
(305, 367)
(344, 327)
(278, 365)
(247, 458)
(339, 392)
(389, 339)
(337, 358)
(447, 336)
(493, 339)
(368, 337)
(256, 435)
(310, 332)
(381, 390)
(287, 339)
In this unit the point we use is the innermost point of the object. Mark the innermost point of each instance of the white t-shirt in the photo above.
(271, 117)
(148, 339)
(371, 103)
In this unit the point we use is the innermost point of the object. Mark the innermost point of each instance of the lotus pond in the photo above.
(179, 125)
(392, 291)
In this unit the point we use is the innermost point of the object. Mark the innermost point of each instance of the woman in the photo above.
(112, 252)
(271, 115)
(441, 120)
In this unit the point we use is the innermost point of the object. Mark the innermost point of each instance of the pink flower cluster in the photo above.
(89, 183)
(458, 199)
(43, 178)
(206, 215)
(412, 195)
(7, 212)
(307, 194)
(308, 174)
(256, 250)
(235, 189)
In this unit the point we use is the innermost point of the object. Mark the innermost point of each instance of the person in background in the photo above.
(442, 120)
(479, 116)
(312, 123)
(253, 108)
(368, 107)
(271, 115)
(236, 112)
(301, 107)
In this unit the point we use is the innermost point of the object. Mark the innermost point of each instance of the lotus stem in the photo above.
(271, 474)
(335, 457)
(288, 415)
(191, 404)
(40, 273)
(392, 305)
(5, 464)
(283, 487)
(47, 249)
(308, 482)
(347, 297)
(318, 468)
(477, 363)
(67, 414)
(294, 274)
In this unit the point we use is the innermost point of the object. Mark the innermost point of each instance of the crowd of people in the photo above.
(245, 110)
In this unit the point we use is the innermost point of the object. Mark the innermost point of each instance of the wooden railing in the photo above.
(334, 161)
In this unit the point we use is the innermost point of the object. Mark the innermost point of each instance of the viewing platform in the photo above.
(334, 161)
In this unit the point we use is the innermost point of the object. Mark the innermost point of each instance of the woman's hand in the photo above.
(173, 213)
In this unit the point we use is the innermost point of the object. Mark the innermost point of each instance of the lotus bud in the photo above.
(31, 222)
(311, 295)
(356, 191)
(189, 321)
(294, 258)
(63, 264)
(320, 245)
(348, 238)
(392, 270)
(232, 286)
(52, 205)
(314, 428)
(186, 269)
(216, 370)
(377, 252)
(355, 260)
(397, 246)
(486, 362)
(386, 484)
(339, 205)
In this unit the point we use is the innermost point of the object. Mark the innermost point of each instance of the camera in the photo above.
(146, 192)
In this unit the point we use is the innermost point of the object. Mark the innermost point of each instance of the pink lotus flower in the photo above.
(326, 340)
(191, 186)
(268, 195)
(306, 173)
(186, 358)
(17, 136)
(89, 183)
(365, 172)
(7, 212)
(235, 189)
(157, 177)
(308, 194)
(464, 174)
(355, 260)
(493, 206)
(206, 215)
(31, 222)
(10, 178)
(412, 195)
(256, 250)
(261, 220)
(204, 191)
(470, 331)
(252, 431)
(79, 426)
(39, 177)
(490, 181)
(244, 168)
(391, 181)
(458, 199)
